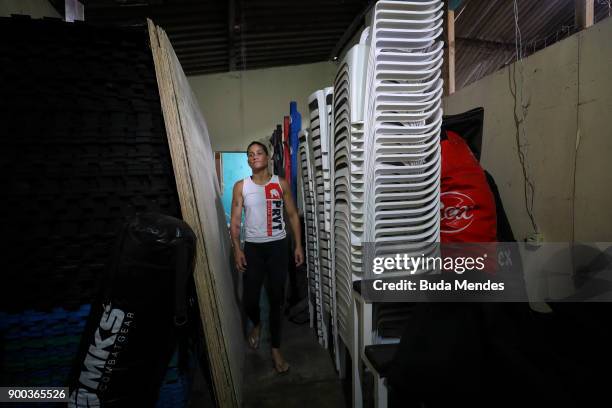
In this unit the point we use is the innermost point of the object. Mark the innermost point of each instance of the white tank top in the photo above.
(263, 208)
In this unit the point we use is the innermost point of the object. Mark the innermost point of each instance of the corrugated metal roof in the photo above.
(485, 32)
(217, 36)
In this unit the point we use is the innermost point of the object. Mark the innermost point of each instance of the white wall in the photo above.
(240, 107)
(568, 90)
(34, 8)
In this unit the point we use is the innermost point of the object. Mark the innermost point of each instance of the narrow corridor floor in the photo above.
(311, 382)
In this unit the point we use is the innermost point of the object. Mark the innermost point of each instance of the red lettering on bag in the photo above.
(455, 212)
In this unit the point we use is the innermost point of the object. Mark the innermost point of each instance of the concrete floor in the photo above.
(311, 382)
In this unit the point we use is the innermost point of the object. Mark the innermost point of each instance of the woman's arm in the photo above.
(294, 221)
(235, 219)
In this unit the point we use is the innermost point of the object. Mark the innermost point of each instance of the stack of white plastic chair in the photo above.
(329, 99)
(386, 169)
(320, 143)
(323, 175)
(315, 298)
(403, 116)
(347, 191)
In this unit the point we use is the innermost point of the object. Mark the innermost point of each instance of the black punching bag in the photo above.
(133, 327)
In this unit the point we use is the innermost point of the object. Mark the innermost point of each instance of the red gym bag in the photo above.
(467, 210)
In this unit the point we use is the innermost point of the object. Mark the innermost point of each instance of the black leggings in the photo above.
(266, 260)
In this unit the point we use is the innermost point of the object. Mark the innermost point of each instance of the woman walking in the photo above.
(264, 197)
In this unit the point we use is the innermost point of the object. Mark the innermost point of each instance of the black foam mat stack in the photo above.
(82, 147)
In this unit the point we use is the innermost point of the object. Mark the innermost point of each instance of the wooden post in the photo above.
(585, 13)
(449, 53)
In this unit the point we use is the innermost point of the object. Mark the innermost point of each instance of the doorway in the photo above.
(231, 167)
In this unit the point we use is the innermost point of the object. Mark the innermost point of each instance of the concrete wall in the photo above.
(240, 107)
(567, 140)
(34, 8)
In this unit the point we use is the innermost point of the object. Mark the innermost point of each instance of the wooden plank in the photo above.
(199, 194)
(448, 68)
(585, 13)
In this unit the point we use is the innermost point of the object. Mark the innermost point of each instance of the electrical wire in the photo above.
(529, 187)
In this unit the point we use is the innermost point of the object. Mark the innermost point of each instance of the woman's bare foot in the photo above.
(254, 337)
(280, 365)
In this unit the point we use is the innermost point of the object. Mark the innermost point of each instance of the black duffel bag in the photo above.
(137, 318)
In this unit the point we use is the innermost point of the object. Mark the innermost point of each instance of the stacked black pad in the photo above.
(82, 147)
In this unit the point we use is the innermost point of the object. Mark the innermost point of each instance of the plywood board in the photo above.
(194, 168)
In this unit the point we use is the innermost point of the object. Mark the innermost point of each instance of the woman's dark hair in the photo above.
(263, 146)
